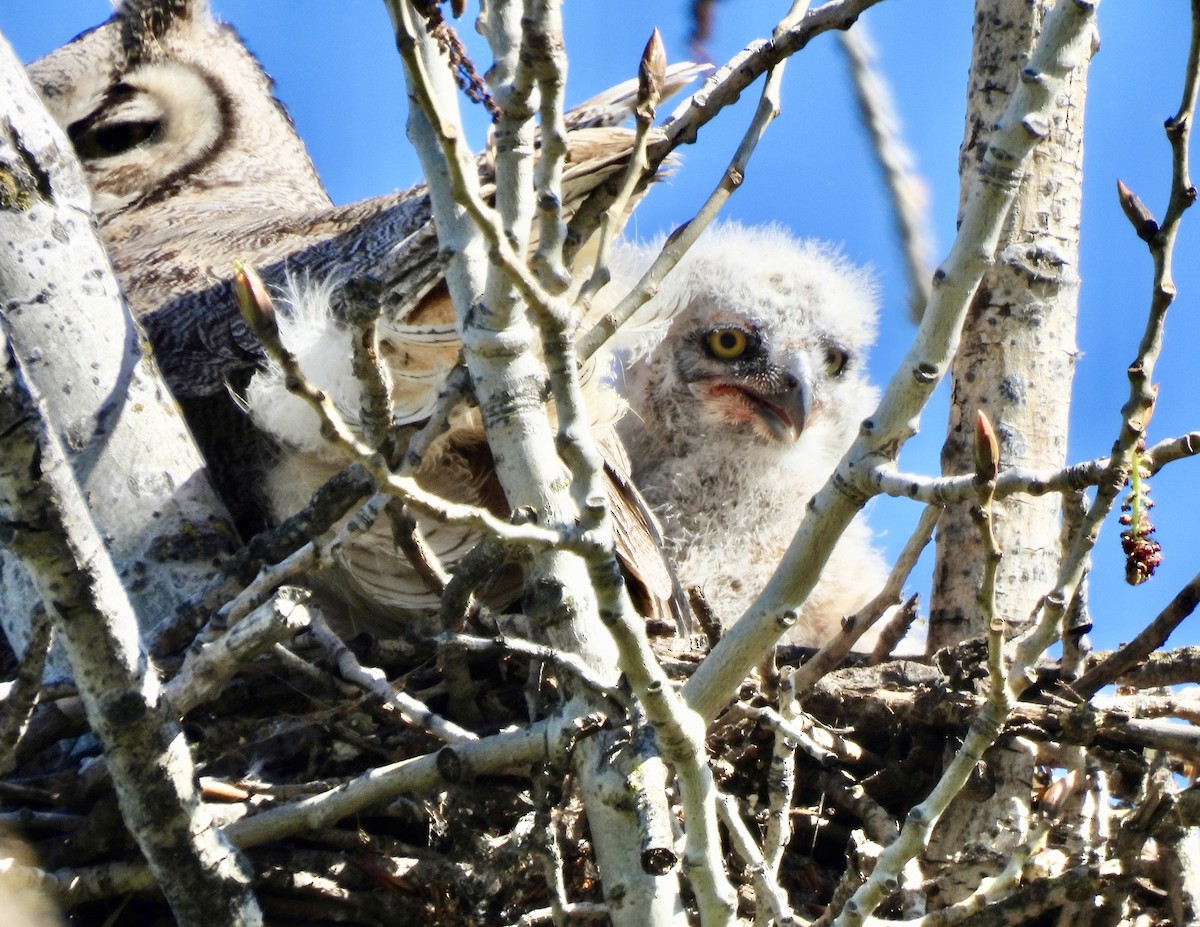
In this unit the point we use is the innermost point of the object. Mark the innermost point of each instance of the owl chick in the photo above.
(743, 409)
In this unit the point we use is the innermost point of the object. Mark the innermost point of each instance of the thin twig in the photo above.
(767, 891)
(908, 191)
(22, 692)
(568, 662)
(374, 680)
(1148, 640)
(834, 650)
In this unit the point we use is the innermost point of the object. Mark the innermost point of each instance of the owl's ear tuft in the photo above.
(145, 21)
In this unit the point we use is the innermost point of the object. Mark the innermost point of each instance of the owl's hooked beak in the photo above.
(784, 413)
(776, 402)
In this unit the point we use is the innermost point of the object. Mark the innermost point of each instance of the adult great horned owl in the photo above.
(193, 164)
(743, 409)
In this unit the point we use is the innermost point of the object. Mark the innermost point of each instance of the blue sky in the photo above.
(337, 72)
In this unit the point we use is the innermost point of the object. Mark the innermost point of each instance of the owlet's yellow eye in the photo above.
(727, 343)
(835, 361)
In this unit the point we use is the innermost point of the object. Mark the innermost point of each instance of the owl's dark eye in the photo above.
(727, 343)
(836, 360)
(109, 140)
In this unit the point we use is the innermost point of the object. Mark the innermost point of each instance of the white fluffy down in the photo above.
(731, 501)
(323, 347)
(374, 577)
(418, 359)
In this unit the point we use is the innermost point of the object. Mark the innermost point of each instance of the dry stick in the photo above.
(300, 563)
(651, 75)
(546, 826)
(909, 193)
(781, 779)
(1077, 620)
(577, 911)
(205, 671)
(16, 708)
(1138, 827)
(410, 540)
(1179, 666)
(834, 650)
(990, 891)
(895, 629)
(374, 680)
(328, 505)
(820, 743)
(770, 898)
(1092, 807)
(1165, 736)
(877, 822)
(536, 743)
(1149, 639)
(1184, 705)
(472, 571)
(1043, 895)
(648, 780)
(374, 376)
(304, 561)
(566, 661)
(947, 490)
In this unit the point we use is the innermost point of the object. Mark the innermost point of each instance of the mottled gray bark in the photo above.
(500, 347)
(45, 520)
(1016, 363)
(1017, 356)
(142, 477)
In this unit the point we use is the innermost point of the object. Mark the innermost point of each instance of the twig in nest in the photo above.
(22, 692)
(374, 680)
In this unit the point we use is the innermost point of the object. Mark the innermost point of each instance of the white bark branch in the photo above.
(48, 524)
(124, 434)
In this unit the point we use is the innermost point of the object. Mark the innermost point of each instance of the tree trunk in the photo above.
(47, 522)
(1015, 363)
(135, 461)
(1017, 355)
